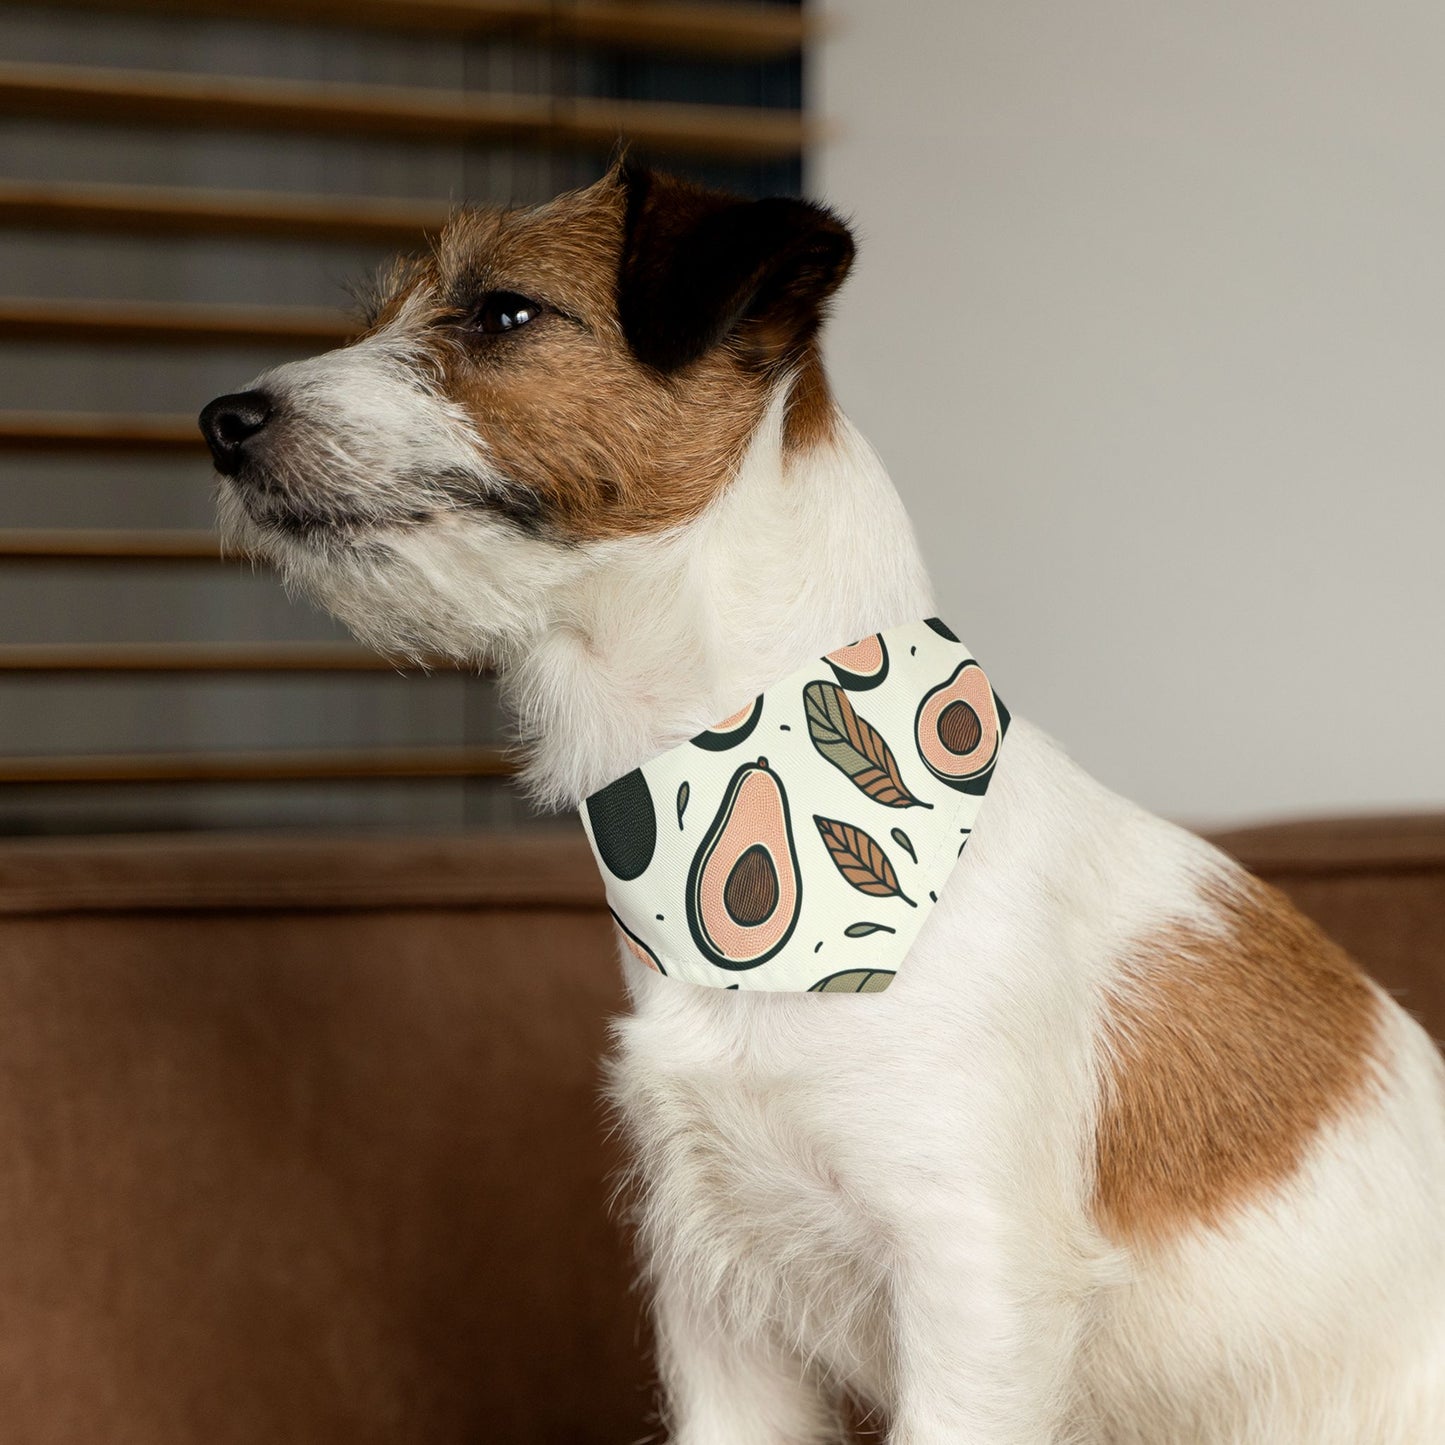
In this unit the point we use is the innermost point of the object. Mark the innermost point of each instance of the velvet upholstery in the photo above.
(302, 1142)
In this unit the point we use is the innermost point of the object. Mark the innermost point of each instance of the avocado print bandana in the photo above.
(799, 844)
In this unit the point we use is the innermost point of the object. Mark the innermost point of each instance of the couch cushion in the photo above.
(302, 1143)
(1376, 885)
(302, 1138)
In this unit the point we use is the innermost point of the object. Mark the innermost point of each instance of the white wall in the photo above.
(1149, 324)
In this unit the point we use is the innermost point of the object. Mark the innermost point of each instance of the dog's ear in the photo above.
(700, 266)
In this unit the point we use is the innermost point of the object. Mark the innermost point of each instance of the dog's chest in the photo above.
(753, 1168)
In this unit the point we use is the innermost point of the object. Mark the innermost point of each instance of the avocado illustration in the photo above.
(744, 890)
(860, 665)
(731, 730)
(624, 825)
(959, 727)
(635, 946)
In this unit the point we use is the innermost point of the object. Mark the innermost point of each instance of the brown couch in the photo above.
(302, 1141)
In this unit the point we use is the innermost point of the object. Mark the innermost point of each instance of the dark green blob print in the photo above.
(624, 825)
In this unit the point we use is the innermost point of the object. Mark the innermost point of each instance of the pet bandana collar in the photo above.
(799, 844)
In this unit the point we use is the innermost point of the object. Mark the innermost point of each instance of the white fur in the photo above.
(889, 1194)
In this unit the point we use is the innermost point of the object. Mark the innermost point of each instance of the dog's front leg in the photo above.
(984, 1344)
(722, 1386)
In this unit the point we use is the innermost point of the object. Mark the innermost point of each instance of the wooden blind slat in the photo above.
(173, 211)
(755, 32)
(760, 32)
(98, 432)
(328, 765)
(186, 657)
(218, 102)
(77, 431)
(83, 544)
(171, 323)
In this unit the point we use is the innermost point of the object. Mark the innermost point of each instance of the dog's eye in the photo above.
(504, 311)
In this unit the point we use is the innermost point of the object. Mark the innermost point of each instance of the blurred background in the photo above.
(302, 1011)
(188, 193)
(1149, 324)
(1146, 323)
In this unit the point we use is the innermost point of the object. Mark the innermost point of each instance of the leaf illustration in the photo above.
(904, 842)
(854, 980)
(860, 860)
(862, 930)
(854, 746)
(683, 793)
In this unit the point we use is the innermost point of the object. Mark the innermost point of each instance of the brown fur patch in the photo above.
(1226, 1053)
(603, 444)
(811, 416)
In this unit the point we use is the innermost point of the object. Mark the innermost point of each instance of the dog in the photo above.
(1129, 1152)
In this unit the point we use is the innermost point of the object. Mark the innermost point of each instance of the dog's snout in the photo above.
(229, 422)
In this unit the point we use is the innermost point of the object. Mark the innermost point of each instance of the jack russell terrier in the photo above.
(1075, 1134)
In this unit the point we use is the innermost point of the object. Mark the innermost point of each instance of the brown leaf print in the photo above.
(863, 864)
(854, 746)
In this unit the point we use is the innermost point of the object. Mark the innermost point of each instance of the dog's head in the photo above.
(545, 383)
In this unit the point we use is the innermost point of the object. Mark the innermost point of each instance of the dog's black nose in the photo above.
(229, 422)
